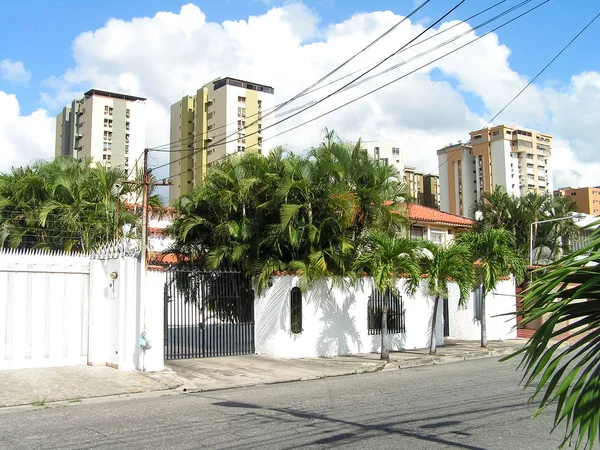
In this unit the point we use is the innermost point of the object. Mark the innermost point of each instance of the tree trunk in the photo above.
(385, 352)
(432, 345)
(483, 320)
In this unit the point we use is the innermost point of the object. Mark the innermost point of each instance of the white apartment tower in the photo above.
(514, 158)
(386, 152)
(106, 126)
(224, 117)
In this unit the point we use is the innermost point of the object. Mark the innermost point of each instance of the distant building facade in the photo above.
(514, 158)
(431, 191)
(224, 117)
(385, 152)
(107, 126)
(587, 198)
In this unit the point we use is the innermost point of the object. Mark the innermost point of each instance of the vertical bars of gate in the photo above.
(208, 313)
(395, 316)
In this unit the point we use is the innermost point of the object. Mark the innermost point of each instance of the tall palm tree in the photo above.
(442, 265)
(562, 358)
(385, 257)
(494, 256)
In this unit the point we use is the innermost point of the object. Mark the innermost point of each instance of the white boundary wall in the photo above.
(499, 303)
(59, 309)
(44, 309)
(334, 320)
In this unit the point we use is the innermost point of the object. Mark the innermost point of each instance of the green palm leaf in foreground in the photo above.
(567, 296)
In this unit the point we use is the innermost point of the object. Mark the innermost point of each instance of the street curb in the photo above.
(431, 360)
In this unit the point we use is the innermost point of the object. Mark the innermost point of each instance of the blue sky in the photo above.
(40, 32)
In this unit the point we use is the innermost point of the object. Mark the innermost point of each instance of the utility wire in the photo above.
(390, 82)
(333, 93)
(371, 44)
(366, 67)
(527, 85)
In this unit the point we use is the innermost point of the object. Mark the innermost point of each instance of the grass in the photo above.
(41, 401)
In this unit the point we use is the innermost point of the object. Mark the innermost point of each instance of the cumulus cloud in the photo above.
(14, 72)
(24, 139)
(170, 55)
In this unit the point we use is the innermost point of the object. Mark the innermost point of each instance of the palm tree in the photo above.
(442, 265)
(385, 257)
(494, 257)
(562, 358)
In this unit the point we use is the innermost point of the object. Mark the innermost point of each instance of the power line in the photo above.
(389, 83)
(371, 44)
(530, 82)
(331, 94)
(181, 141)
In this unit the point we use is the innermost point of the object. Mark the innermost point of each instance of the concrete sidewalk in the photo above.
(71, 384)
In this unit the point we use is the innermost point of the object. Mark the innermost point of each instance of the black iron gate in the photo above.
(208, 314)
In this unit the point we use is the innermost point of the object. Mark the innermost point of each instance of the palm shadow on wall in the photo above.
(339, 326)
(277, 310)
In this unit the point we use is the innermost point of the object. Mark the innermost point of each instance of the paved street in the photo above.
(468, 405)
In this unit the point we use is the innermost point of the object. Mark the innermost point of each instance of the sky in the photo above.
(52, 52)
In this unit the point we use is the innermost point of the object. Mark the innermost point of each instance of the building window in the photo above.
(127, 113)
(127, 126)
(126, 148)
(296, 310)
(477, 136)
(417, 232)
(376, 152)
(209, 115)
(395, 315)
(242, 99)
(126, 138)
(241, 112)
(437, 236)
(395, 151)
(495, 133)
(106, 109)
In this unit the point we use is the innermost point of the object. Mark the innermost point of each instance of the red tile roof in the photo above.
(422, 213)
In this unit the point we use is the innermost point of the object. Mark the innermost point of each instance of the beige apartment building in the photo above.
(107, 126)
(224, 117)
(587, 198)
(413, 181)
(423, 189)
(512, 157)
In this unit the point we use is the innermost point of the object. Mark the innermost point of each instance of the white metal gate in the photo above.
(44, 309)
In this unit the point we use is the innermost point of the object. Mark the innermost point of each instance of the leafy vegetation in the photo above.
(494, 256)
(63, 205)
(516, 214)
(562, 359)
(284, 212)
(442, 265)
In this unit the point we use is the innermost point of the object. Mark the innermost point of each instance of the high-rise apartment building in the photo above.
(385, 152)
(413, 181)
(587, 198)
(431, 191)
(106, 126)
(224, 117)
(514, 158)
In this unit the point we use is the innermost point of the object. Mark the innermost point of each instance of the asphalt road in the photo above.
(469, 405)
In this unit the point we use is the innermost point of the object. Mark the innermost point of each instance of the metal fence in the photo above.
(395, 315)
(208, 314)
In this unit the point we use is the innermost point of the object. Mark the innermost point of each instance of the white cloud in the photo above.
(14, 72)
(23, 139)
(172, 54)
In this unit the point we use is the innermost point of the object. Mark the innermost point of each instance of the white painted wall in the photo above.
(334, 321)
(43, 309)
(120, 310)
(499, 327)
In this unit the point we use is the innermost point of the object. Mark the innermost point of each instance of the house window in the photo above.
(395, 315)
(437, 236)
(417, 232)
(296, 310)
